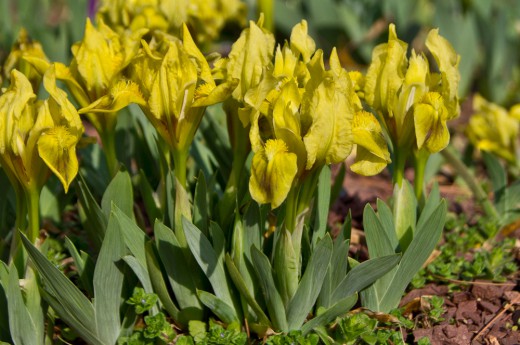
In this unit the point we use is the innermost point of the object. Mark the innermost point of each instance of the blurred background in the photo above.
(485, 33)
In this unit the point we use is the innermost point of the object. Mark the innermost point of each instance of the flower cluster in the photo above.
(206, 18)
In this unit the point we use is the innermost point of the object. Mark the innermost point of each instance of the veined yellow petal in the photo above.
(249, 55)
(121, 95)
(98, 58)
(366, 163)
(447, 61)
(386, 73)
(272, 173)
(301, 41)
(430, 118)
(62, 110)
(193, 51)
(367, 132)
(13, 104)
(329, 136)
(57, 148)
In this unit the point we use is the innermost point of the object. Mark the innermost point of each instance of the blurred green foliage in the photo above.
(485, 33)
(55, 23)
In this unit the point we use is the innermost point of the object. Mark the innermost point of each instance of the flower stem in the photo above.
(478, 193)
(400, 156)
(108, 140)
(267, 8)
(421, 158)
(32, 197)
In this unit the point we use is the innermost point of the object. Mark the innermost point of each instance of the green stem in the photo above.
(108, 140)
(182, 202)
(400, 156)
(421, 158)
(480, 196)
(241, 147)
(32, 196)
(180, 161)
(16, 255)
(267, 8)
(291, 209)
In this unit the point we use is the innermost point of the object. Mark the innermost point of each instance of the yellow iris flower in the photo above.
(413, 98)
(24, 47)
(35, 135)
(206, 18)
(177, 85)
(492, 128)
(96, 77)
(303, 118)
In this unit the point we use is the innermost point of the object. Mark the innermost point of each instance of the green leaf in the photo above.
(208, 262)
(221, 309)
(376, 235)
(21, 323)
(335, 272)
(387, 221)
(151, 205)
(330, 314)
(4, 314)
(415, 256)
(337, 186)
(134, 237)
(405, 214)
(379, 245)
(95, 220)
(120, 193)
(310, 284)
(64, 297)
(108, 283)
(322, 205)
(200, 205)
(363, 275)
(179, 273)
(141, 274)
(84, 265)
(158, 283)
(513, 197)
(245, 292)
(498, 177)
(272, 297)
(286, 266)
(433, 200)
